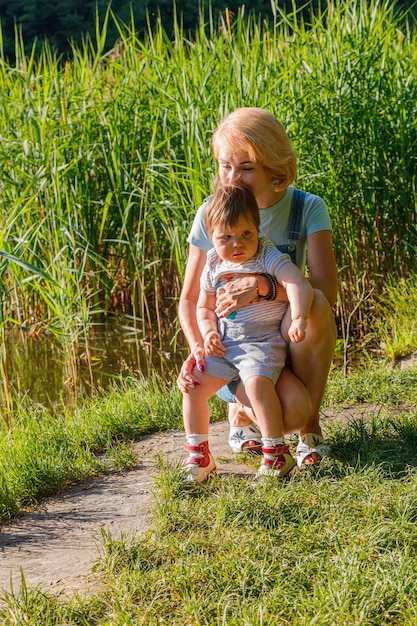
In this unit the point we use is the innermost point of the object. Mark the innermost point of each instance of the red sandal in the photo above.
(198, 468)
(280, 466)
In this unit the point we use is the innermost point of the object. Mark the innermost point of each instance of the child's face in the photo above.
(236, 243)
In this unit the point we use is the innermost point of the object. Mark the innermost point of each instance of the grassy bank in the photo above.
(329, 546)
(41, 453)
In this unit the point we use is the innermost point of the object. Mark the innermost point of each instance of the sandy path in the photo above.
(57, 544)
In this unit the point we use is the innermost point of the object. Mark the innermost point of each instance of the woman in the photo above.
(251, 146)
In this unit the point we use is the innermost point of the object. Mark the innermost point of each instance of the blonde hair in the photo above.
(228, 204)
(263, 137)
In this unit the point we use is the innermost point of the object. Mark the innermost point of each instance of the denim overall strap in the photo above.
(294, 221)
(297, 204)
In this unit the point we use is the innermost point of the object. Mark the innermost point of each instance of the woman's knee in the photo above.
(320, 306)
(321, 316)
(240, 415)
(295, 401)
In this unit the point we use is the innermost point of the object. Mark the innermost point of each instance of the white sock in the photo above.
(270, 442)
(195, 440)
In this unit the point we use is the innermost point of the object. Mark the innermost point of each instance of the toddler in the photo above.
(247, 344)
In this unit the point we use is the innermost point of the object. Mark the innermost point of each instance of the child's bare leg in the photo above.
(265, 404)
(200, 463)
(310, 361)
(293, 399)
(277, 459)
(195, 407)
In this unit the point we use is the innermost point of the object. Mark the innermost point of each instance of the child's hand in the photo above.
(213, 345)
(297, 330)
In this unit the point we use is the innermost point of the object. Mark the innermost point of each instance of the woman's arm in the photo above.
(187, 313)
(243, 288)
(322, 264)
(187, 309)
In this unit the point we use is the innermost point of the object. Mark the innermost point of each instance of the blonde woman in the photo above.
(252, 147)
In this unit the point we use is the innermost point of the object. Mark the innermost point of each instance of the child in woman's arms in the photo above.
(247, 344)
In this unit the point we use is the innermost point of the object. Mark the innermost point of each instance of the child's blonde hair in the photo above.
(228, 204)
(259, 134)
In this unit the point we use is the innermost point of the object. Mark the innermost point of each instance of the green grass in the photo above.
(332, 546)
(375, 383)
(329, 546)
(394, 321)
(41, 453)
(337, 546)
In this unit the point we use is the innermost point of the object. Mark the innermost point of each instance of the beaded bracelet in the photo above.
(273, 287)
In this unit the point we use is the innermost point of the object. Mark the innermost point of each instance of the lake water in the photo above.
(50, 374)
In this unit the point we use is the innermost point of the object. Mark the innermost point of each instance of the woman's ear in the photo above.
(279, 182)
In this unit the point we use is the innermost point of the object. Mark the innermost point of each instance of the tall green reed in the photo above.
(106, 157)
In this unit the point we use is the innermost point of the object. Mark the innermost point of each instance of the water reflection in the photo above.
(52, 374)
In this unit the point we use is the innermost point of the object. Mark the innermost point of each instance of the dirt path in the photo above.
(57, 544)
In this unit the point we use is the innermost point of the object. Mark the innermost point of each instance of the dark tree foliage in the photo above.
(58, 21)
(64, 21)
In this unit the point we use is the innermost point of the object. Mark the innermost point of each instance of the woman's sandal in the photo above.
(309, 443)
(245, 439)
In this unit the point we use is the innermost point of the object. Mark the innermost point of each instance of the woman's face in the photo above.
(237, 167)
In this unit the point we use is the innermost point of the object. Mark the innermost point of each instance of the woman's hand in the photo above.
(186, 380)
(239, 291)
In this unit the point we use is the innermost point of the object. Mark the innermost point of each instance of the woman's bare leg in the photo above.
(311, 360)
